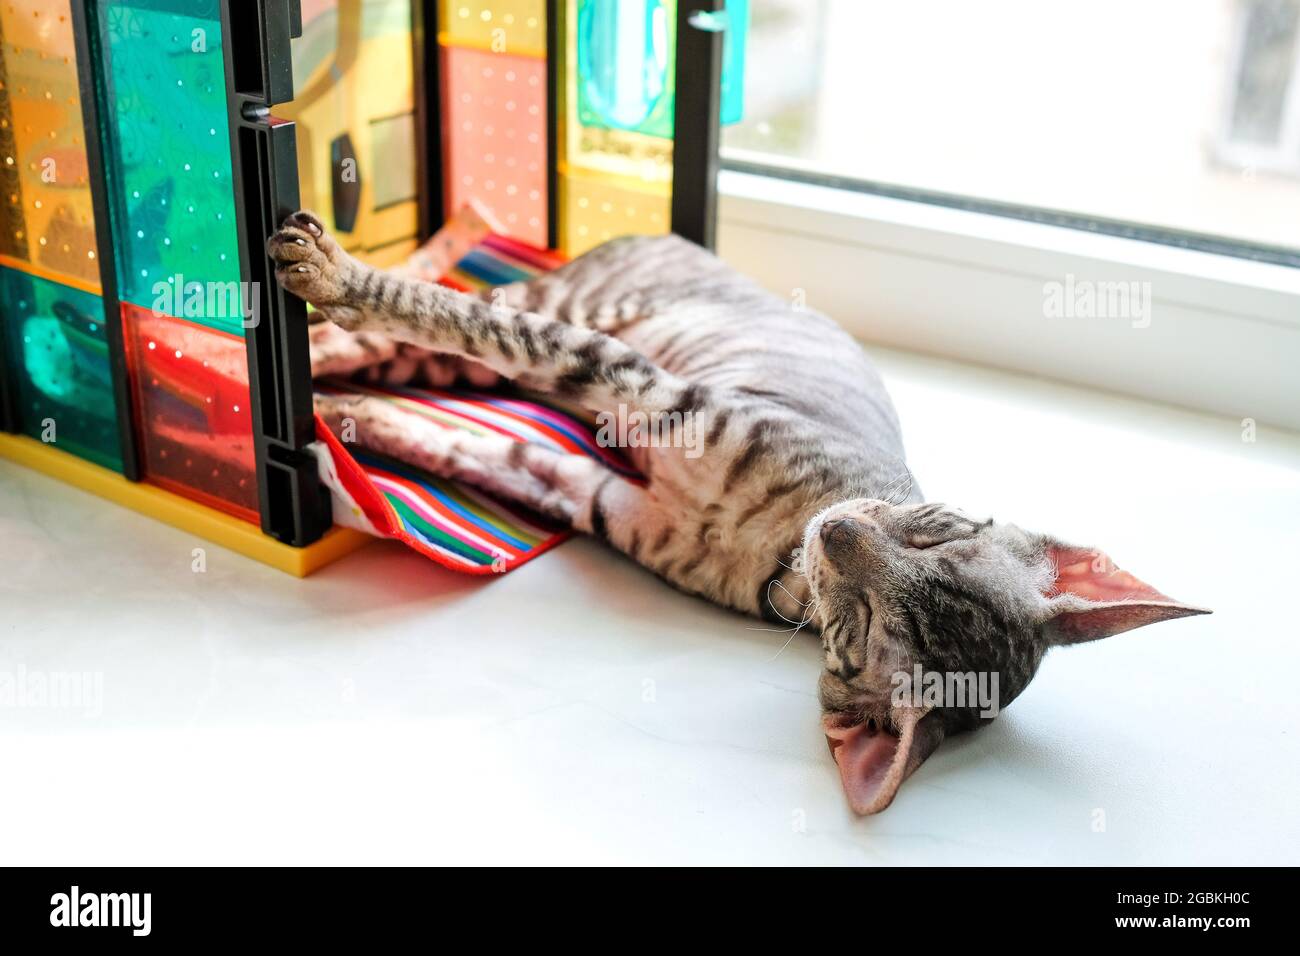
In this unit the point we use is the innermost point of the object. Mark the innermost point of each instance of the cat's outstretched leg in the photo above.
(545, 355)
(573, 489)
(336, 351)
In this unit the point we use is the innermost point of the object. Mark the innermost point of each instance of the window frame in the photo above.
(966, 280)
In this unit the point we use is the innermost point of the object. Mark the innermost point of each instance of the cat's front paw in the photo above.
(311, 265)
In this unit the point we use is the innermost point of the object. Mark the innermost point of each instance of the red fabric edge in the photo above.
(383, 517)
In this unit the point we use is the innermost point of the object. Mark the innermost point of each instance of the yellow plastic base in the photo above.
(221, 529)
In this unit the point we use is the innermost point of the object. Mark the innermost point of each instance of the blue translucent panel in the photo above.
(54, 335)
(167, 151)
(626, 64)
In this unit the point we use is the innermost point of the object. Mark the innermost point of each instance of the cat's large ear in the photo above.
(1091, 598)
(874, 761)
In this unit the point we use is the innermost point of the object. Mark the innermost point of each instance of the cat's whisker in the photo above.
(789, 595)
(887, 492)
(768, 598)
(896, 491)
(797, 629)
(811, 607)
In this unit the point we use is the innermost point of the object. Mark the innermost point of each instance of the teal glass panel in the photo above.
(733, 61)
(54, 335)
(626, 64)
(167, 152)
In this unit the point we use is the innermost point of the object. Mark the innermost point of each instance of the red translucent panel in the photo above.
(190, 385)
(494, 125)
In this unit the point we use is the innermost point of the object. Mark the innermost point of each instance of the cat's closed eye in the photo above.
(942, 527)
(922, 540)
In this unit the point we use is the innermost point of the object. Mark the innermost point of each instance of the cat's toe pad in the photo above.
(291, 245)
(308, 262)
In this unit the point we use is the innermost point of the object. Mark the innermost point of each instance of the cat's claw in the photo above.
(309, 263)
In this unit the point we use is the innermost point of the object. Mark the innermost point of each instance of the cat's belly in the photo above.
(801, 360)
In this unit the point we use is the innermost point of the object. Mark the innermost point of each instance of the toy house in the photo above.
(148, 148)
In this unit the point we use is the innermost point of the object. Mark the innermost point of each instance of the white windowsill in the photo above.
(1223, 333)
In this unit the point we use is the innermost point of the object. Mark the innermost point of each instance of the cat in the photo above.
(796, 506)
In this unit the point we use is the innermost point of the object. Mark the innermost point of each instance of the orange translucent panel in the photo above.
(190, 385)
(503, 26)
(596, 210)
(494, 125)
(47, 215)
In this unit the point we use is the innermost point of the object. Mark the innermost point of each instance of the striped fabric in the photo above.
(497, 261)
(448, 522)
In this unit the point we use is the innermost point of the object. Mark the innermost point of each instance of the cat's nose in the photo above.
(839, 533)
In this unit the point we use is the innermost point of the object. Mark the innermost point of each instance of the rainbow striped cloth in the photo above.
(454, 524)
(499, 260)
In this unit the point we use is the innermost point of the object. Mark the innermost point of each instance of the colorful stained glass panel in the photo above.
(626, 64)
(596, 210)
(494, 134)
(63, 379)
(354, 106)
(517, 27)
(45, 204)
(167, 147)
(191, 394)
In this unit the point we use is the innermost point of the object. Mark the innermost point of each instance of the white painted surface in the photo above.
(386, 710)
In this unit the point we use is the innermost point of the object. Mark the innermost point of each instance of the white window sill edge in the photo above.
(1221, 334)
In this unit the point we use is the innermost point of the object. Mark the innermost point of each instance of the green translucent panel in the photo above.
(167, 150)
(54, 336)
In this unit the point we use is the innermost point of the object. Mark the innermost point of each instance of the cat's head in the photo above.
(932, 622)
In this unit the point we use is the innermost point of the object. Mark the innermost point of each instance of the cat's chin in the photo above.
(876, 755)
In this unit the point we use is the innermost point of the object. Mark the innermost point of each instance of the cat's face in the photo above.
(932, 622)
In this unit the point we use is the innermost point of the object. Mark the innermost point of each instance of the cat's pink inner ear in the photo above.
(1112, 600)
(1093, 576)
(874, 761)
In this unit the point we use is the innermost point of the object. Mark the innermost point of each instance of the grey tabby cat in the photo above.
(797, 507)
